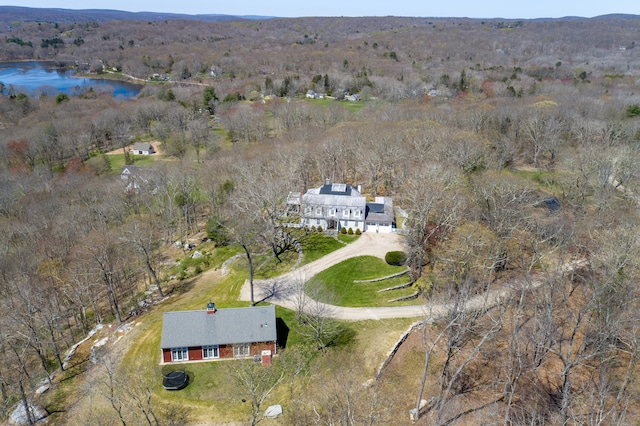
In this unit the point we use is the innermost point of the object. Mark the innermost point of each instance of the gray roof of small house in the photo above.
(225, 326)
(142, 146)
(129, 169)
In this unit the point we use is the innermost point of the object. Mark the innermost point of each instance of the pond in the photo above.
(36, 78)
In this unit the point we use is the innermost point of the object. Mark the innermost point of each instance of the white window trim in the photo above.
(318, 211)
(356, 213)
(332, 211)
(241, 350)
(345, 213)
(307, 210)
(179, 354)
(214, 349)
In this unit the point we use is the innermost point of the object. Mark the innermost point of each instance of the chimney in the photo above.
(327, 181)
(266, 357)
(211, 308)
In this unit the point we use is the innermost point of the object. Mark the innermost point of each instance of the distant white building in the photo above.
(142, 148)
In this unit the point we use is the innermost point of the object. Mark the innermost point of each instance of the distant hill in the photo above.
(10, 14)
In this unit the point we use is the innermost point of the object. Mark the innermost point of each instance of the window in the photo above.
(307, 210)
(318, 211)
(210, 352)
(241, 350)
(332, 212)
(345, 213)
(179, 354)
(356, 213)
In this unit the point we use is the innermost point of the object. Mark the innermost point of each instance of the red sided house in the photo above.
(218, 334)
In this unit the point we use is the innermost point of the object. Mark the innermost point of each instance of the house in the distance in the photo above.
(219, 334)
(138, 179)
(337, 206)
(142, 148)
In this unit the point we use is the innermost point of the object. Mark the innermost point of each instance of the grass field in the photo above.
(117, 161)
(336, 285)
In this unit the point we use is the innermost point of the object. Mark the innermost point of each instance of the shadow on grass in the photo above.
(283, 332)
(183, 286)
(74, 370)
(343, 337)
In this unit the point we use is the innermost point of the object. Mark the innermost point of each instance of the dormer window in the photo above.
(332, 212)
(318, 211)
(356, 213)
(345, 213)
(307, 210)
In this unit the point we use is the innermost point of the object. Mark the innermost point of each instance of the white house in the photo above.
(334, 206)
(142, 148)
(337, 206)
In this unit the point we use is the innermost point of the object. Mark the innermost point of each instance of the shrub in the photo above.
(633, 110)
(217, 232)
(343, 230)
(198, 269)
(319, 228)
(358, 231)
(396, 258)
(350, 232)
(313, 228)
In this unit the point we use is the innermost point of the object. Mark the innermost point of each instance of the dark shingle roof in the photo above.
(336, 189)
(225, 326)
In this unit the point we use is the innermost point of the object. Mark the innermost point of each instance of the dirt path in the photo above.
(285, 290)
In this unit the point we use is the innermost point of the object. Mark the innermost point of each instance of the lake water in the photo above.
(35, 78)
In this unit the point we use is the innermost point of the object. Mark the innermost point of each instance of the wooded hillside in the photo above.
(512, 146)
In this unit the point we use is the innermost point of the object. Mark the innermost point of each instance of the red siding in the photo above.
(225, 351)
(257, 348)
(195, 353)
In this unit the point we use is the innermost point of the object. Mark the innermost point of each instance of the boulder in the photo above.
(273, 411)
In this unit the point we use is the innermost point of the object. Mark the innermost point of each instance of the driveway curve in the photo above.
(286, 290)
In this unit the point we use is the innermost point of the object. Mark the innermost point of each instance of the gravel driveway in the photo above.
(285, 290)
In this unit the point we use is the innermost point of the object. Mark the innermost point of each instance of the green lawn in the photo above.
(314, 246)
(351, 106)
(346, 238)
(336, 285)
(117, 161)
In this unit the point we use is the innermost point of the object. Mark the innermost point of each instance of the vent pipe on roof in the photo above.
(211, 308)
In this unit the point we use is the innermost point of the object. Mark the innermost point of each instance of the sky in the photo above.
(508, 9)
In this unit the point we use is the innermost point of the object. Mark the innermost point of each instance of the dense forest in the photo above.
(512, 147)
